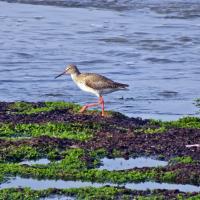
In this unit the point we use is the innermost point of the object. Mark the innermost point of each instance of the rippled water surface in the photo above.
(152, 47)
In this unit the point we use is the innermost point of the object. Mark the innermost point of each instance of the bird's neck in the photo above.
(74, 76)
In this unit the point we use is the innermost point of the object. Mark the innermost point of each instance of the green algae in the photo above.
(76, 131)
(90, 193)
(25, 194)
(182, 159)
(80, 193)
(155, 130)
(87, 193)
(151, 130)
(151, 197)
(168, 176)
(79, 164)
(1, 178)
(16, 154)
(158, 126)
(196, 197)
(96, 193)
(75, 166)
(185, 122)
(30, 108)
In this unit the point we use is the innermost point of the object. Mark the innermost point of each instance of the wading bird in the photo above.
(93, 83)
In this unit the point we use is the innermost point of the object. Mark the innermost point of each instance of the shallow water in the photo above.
(152, 47)
(45, 184)
(122, 164)
(42, 161)
(60, 184)
(58, 197)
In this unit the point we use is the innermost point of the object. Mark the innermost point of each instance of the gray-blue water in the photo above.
(42, 161)
(123, 164)
(61, 184)
(154, 47)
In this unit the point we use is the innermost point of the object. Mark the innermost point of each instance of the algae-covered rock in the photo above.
(75, 143)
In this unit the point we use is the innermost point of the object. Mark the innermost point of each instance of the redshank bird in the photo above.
(93, 83)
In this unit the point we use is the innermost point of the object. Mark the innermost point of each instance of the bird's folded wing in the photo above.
(101, 83)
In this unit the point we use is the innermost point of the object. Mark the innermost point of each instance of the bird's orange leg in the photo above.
(88, 106)
(100, 102)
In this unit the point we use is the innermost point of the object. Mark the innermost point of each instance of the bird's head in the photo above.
(70, 69)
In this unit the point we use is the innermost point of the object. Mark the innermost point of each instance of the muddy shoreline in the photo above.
(116, 135)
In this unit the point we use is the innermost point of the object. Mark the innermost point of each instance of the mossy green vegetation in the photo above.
(76, 131)
(152, 130)
(155, 130)
(30, 108)
(150, 197)
(185, 122)
(73, 151)
(168, 176)
(87, 193)
(79, 164)
(16, 154)
(1, 178)
(158, 126)
(196, 197)
(182, 159)
(81, 193)
(90, 193)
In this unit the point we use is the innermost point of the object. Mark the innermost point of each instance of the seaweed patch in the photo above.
(75, 145)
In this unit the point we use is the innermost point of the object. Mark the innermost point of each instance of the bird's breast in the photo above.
(85, 88)
(81, 84)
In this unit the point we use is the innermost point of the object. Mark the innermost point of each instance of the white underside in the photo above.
(83, 87)
(88, 89)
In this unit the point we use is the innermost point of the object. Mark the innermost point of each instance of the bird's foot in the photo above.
(104, 114)
(84, 108)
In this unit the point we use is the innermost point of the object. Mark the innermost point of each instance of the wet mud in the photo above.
(117, 132)
(172, 143)
(8, 115)
(118, 135)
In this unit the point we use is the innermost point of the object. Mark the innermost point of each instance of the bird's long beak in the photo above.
(60, 75)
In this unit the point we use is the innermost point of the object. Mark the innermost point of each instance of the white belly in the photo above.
(85, 88)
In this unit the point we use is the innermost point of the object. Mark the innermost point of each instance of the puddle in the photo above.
(61, 184)
(167, 186)
(42, 161)
(45, 184)
(58, 197)
(122, 164)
